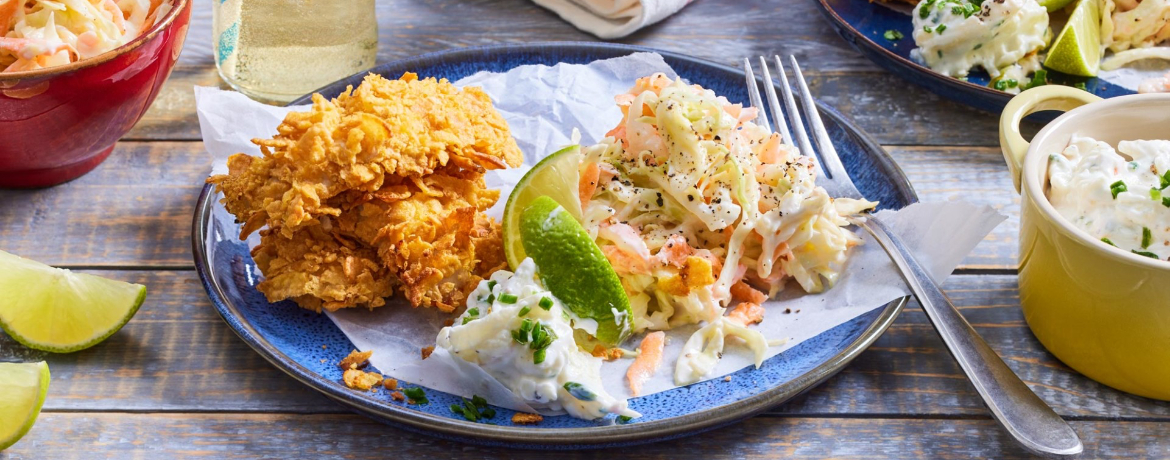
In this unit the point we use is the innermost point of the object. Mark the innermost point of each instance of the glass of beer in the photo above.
(275, 51)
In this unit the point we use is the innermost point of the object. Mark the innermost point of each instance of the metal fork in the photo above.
(1025, 416)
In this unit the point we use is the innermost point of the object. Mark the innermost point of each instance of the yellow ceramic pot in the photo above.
(1103, 311)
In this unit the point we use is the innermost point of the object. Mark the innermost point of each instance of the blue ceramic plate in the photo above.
(292, 338)
(863, 23)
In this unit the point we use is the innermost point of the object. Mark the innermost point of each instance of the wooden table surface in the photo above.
(176, 382)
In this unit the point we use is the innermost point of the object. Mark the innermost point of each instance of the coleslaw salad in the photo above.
(40, 34)
(697, 207)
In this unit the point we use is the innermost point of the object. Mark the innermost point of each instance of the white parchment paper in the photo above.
(542, 106)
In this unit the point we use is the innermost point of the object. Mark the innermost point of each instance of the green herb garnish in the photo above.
(1155, 194)
(893, 35)
(545, 303)
(1108, 241)
(1165, 180)
(624, 419)
(1117, 187)
(416, 395)
(1147, 236)
(474, 410)
(524, 311)
(941, 28)
(1166, 201)
(1146, 254)
(578, 391)
(1040, 78)
(508, 298)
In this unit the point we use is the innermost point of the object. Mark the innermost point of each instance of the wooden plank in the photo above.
(709, 30)
(178, 355)
(231, 436)
(135, 210)
(887, 107)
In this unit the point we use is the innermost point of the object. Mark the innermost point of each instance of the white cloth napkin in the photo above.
(613, 18)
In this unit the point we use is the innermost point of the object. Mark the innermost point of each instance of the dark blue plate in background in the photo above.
(863, 23)
(307, 345)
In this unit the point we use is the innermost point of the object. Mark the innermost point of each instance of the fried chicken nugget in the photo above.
(382, 186)
(406, 127)
(320, 270)
(432, 233)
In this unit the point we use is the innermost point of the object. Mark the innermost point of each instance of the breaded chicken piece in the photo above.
(406, 128)
(381, 187)
(432, 233)
(321, 270)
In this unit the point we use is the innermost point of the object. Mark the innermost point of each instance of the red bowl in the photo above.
(59, 123)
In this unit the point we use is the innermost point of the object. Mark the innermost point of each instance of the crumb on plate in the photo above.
(361, 380)
(608, 354)
(524, 418)
(426, 351)
(390, 384)
(355, 360)
(398, 396)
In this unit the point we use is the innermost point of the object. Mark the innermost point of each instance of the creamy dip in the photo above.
(498, 333)
(954, 36)
(1122, 198)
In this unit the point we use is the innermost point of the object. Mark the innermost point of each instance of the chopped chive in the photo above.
(524, 311)
(924, 12)
(467, 319)
(1165, 179)
(1146, 237)
(624, 419)
(545, 303)
(1108, 241)
(927, 29)
(1166, 201)
(1155, 194)
(488, 413)
(579, 391)
(941, 28)
(1145, 253)
(491, 299)
(526, 326)
(491, 284)
(893, 35)
(538, 356)
(473, 312)
(1117, 187)
(478, 400)
(1040, 78)
(508, 298)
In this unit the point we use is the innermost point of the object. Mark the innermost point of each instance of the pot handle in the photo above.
(1049, 97)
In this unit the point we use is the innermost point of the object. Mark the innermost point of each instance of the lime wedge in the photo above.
(574, 269)
(1054, 5)
(59, 311)
(555, 176)
(22, 392)
(1077, 50)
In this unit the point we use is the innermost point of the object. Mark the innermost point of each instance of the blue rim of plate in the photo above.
(552, 438)
(862, 23)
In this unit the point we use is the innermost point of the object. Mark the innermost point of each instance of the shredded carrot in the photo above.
(747, 313)
(646, 364)
(588, 184)
(741, 291)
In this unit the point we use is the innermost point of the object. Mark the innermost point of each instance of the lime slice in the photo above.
(1077, 50)
(60, 311)
(555, 176)
(1054, 5)
(574, 269)
(22, 392)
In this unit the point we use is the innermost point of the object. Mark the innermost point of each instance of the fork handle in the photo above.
(1025, 416)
